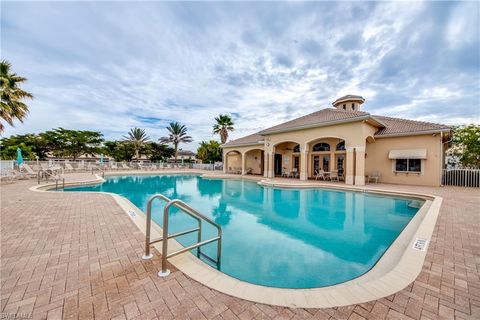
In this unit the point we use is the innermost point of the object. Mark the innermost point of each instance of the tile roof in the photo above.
(392, 126)
(250, 139)
(398, 126)
(315, 118)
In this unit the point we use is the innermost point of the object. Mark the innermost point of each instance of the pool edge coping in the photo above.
(383, 279)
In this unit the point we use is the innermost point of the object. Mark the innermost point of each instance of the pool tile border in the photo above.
(398, 267)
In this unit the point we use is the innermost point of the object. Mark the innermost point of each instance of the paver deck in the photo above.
(78, 256)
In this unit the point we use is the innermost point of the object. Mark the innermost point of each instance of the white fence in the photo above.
(217, 166)
(461, 177)
(88, 165)
(7, 164)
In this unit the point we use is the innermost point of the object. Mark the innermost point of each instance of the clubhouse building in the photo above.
(346, 144)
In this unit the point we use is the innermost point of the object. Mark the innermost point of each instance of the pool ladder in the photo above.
(194, 214)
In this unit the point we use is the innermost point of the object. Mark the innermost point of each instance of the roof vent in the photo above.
(349, 102)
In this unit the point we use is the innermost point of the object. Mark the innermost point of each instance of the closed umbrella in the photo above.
(101, 160)
(19, 156)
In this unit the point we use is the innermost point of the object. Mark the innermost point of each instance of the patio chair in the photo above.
(375, 176)
(124, 166)
(27, 170)
(69, 168)
(319, 174)
(80, 167)
(294, 173)
(10, 175)
(334, 176)
(285, 173)
(114, 166)
(249, 171)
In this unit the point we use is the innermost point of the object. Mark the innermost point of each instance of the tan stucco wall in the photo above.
(377, 159)
(234, 159)
(254, 161)
(352, 133)
(356, 135)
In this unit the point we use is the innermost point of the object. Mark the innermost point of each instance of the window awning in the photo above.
(408, 154)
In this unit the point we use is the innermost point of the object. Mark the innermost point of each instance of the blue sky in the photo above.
(110, 66)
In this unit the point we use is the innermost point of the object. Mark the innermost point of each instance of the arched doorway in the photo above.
(286, 159)
(254, 162)
(233, 162)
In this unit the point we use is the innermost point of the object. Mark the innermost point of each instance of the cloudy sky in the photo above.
(110, 66)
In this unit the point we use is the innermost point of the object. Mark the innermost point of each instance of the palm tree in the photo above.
(137, 137)
(11, 105)
(177, 135)
(223, 125)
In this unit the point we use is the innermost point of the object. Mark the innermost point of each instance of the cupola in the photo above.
(349, 102)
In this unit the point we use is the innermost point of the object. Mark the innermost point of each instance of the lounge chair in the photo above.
(375, 176)
(124, 166)
(320, 174)
(10, 175)
(249, 171)
(27, 170)
(68, 167)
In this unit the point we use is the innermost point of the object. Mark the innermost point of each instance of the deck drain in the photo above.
(132, 213)
(420, 244)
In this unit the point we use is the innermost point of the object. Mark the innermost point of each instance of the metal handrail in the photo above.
(194, 214)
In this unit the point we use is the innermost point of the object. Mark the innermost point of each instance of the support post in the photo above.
(349, 172)
(244, 163)
(360, 166)
(304, 163)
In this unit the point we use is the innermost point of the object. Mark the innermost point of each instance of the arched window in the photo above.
(321, 146)
(296, 148)
(341, 146)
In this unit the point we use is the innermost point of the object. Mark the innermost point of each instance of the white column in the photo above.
(244, 163)
(349, 166)
(271, 163)
(225, 164)
(265, 163)
(360, 166)
(303, 163)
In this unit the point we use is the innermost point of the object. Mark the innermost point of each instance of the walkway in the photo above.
(78, 256)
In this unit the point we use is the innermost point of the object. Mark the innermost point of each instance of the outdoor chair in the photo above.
(320, 174)
(69, 168)
(375, 176)
(27, 170)
(334, 176)
(249, 171)
(10, 175)
(295, 173)
(125, 166)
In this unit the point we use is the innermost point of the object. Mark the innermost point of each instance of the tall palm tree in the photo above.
(223, 126)
(137, 137)
(11, 105)
(177, 135)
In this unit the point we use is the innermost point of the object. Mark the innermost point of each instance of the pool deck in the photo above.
(66, 255)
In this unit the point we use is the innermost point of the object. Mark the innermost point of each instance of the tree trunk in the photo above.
(176, 153)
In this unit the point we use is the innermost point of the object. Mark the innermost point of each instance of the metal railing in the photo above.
(47, 174)
(461, 177)
(194, 214)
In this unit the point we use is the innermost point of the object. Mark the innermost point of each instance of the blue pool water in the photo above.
(285, 238)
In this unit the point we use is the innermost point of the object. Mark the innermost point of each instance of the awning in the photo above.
(408, 154)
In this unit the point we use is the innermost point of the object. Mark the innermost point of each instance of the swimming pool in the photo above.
(284, 238)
